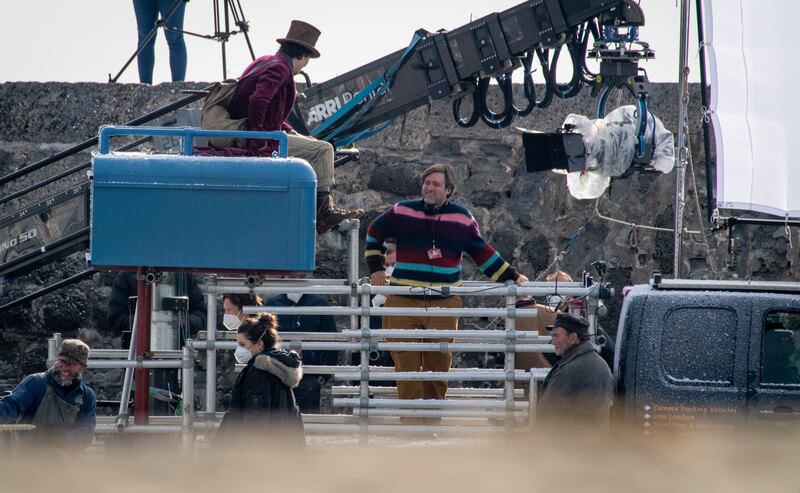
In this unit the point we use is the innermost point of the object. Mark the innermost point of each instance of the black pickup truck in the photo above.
(694, 355)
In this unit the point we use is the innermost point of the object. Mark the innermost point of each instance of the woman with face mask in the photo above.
(234, 304)
(262, 398)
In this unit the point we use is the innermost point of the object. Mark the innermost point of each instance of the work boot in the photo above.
(329, 216)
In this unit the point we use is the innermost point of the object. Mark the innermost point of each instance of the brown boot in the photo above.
(329, 216)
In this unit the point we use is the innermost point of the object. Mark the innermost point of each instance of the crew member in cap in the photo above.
(579, 388)
(60, 405)
(266, 99)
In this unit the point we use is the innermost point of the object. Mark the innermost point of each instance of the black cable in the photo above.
(590, 28)
(490, 118)
(528, 87)
(542, 55)
(576, 46)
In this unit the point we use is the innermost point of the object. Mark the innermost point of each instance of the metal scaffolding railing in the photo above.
(374, 410)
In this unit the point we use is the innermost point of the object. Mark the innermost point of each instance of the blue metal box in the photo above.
(183, 212)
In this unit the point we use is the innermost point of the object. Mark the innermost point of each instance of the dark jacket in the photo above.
(125, 286)
(262, 399)
(307, 323)
(20, 407)
(265, 98)
(578, 389)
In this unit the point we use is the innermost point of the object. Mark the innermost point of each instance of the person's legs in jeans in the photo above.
(146, 15)
(177, 46)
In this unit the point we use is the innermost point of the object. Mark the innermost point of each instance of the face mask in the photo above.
(389, 270)
(230, 321)
(242, 354)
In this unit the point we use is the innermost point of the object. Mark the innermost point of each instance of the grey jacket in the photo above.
(579, 389)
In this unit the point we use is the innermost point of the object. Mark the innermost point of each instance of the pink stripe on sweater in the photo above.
(402, 210)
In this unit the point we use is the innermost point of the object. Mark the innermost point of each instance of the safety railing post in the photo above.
(352, 226)
(366, 341)
(211, 353)
(187, 400)
(533, 398)
(52, 348)
(510, 353)
(125, 396)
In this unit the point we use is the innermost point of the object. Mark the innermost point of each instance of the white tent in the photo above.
(755, 103)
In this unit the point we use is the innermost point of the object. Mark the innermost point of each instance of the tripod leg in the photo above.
(244, 27)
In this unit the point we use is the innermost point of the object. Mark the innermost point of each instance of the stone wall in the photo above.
(529, 217)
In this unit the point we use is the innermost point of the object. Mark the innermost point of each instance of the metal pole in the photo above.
(52, 349)
(510, 357)
(141, 407)
(125, 396)
(211, 354)
(225, 40)
(681, 146)
(147, 364)
(428, 376)
(701, 38)
(496, 404)
(352, 227)
(363, 436)
(533, 398)
(392, 311)
(187, 383)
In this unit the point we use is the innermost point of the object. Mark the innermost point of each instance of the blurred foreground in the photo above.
(747, 462)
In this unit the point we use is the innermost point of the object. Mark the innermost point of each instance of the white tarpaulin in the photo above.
(755, 102)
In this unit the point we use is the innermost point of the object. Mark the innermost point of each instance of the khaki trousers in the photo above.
(421, 361)
(319, 155)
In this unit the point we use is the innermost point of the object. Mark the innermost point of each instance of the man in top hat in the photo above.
(579, 388)
(60, 405)
(267, 97)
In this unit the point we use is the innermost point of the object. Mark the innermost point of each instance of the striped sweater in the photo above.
(453, 231)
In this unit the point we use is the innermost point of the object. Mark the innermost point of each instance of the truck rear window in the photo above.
(698, 346)
(780, 349)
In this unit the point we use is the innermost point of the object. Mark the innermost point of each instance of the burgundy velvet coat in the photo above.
(265, 98)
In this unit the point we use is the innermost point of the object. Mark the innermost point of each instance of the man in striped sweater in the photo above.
(431, 234)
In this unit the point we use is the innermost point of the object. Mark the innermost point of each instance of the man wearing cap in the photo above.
(579, 388)
(60, 405)
(266, 99)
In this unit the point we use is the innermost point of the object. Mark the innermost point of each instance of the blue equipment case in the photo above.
(185, 212)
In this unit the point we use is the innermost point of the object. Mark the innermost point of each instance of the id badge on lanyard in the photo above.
(434, 253)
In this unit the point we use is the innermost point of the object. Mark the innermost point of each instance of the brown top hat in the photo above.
(303, 34)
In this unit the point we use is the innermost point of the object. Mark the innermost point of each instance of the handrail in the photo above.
(49, 289)
(66, 173)
(93, 141)
(187, 134)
